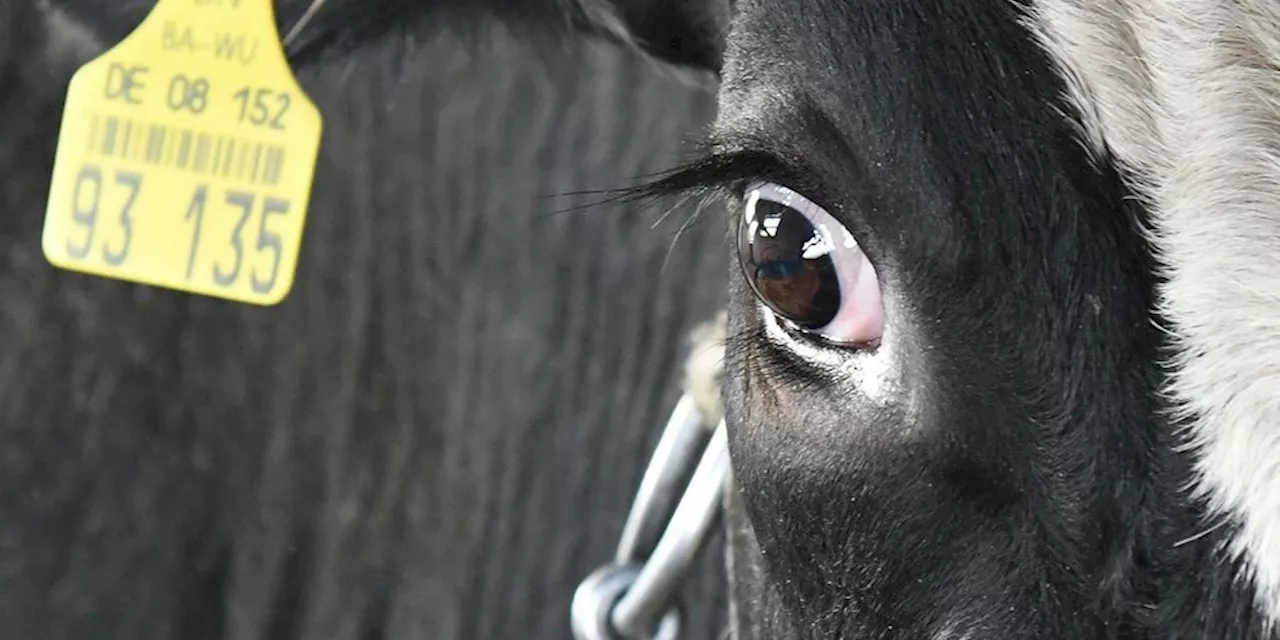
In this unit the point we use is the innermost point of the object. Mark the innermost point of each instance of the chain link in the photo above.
(636, 596)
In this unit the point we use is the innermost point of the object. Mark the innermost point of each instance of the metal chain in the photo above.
(636, 596)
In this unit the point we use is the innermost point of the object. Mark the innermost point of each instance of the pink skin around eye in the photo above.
(860, 320)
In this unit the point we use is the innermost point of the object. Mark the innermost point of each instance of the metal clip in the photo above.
(635, 597)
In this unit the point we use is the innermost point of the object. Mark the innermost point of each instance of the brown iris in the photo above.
(788, 263)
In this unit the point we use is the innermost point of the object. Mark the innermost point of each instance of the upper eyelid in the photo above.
(742, 166)
(720, 175)
(734, 159)
(728, 173)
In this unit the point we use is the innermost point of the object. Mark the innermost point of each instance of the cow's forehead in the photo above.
(862, 52)
(878, 71)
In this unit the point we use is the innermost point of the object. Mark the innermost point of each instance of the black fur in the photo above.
(437, 434)
(684, 32)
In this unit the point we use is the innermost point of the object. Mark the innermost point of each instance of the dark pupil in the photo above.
(772, 248)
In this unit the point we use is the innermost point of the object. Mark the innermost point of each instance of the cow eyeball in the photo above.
(807, 268)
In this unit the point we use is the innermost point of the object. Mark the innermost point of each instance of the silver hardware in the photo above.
(305, 20)
(683, 438)
(636, 597)
(594, 601)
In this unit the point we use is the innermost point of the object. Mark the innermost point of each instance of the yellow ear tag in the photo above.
(186, 156)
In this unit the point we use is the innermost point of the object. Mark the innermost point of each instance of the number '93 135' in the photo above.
(226, 269)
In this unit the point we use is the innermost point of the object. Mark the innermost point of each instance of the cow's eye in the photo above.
(807, 268)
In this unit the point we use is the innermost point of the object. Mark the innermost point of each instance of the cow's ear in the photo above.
(687, 32)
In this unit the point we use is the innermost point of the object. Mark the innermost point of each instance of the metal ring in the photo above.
(654, 589)
(591, 612)
(593, 601)
(670, 626)
(675, 457)
(637, 597)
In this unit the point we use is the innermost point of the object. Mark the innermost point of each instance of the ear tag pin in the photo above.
(186, 156)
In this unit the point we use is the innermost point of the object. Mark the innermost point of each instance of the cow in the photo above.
(1002, 353)
(1002, 350)
(998, 358)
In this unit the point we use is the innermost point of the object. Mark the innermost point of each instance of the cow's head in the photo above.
(1003, 360)
(1003, 357)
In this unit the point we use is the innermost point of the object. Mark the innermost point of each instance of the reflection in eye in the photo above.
(807, 268)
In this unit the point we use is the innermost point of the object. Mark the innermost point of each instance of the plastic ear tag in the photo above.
(186, 156)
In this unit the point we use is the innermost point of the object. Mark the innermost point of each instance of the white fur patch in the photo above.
(1186, 94)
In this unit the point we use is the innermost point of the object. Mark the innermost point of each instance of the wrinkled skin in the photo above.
(438, 433)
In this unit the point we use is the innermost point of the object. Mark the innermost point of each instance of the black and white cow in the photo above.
(1001, 362)
(1032, 393)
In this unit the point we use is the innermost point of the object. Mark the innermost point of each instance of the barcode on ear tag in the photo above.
(186, 157)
